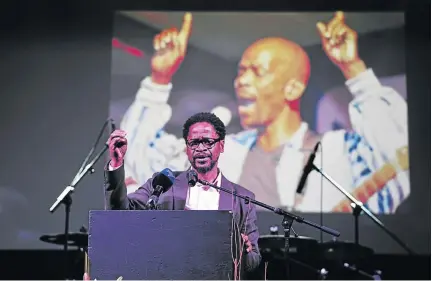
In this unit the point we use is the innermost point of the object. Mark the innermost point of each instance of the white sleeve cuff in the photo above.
(151, 92)
(362, 83)
(111, 168)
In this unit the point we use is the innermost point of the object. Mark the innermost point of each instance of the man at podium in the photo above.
(204, 135)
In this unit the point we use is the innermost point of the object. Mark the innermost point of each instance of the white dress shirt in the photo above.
(202, 197)
(199, 197)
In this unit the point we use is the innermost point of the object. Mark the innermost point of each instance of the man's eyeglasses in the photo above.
(207, 142)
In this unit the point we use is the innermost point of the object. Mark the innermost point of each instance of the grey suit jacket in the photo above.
(175, 199)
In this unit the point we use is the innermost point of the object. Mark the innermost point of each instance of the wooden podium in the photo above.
(160, 245)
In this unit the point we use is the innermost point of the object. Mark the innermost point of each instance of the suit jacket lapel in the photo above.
(225, 199)
(180, 190)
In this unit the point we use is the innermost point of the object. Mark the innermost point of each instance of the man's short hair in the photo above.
(208, 117)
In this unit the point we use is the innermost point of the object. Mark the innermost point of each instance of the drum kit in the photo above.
(307, 255)
(311, 259)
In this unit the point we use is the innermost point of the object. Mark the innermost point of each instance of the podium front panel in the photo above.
(163, 245)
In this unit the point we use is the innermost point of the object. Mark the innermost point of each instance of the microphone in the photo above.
(192, 178)
(306, 170)
(112, 125)
(161, 183)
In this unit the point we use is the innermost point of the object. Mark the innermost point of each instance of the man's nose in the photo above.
(243, 80)
(200, 147)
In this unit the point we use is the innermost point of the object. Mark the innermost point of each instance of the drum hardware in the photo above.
(274, 230)
(275, 244)
(83, 229)
(272, 247)
(322, 273)
(295, 233)
(377, 274)
(343, 251)
(353, 268)
(74, 239)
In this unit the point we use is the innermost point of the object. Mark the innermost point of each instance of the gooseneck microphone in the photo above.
(161, 183)
(306, 171)
(192, 178)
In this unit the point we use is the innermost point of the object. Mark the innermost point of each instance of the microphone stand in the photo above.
(322, 273)
(357, 209)
(65, 197)
(287, 221)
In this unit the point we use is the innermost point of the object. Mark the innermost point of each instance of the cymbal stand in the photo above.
(322, 273)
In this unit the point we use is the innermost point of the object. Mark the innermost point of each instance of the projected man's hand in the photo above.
(170, 49)
(339, 42)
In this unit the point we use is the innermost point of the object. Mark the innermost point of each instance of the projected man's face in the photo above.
(203, 147)
(258, 87)
(266, 73)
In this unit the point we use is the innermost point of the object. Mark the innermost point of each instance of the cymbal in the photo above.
(279, 236)
(75, 239)
(274, 245)
(345, 250)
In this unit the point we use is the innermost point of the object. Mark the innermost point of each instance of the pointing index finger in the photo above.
(338, 19)
(340, 16)
(186, 26)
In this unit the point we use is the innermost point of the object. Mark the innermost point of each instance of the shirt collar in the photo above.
(297, 139)
(217, 182)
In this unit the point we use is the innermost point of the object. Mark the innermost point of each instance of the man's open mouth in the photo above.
(246, 102)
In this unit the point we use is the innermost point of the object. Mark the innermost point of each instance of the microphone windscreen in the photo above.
(169, 174)
(165, 179)
(192, 177)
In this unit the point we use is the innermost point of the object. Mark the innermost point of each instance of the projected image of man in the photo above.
(269, 155)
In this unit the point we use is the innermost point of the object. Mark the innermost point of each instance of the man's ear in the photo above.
(293, 90)
(222, 145)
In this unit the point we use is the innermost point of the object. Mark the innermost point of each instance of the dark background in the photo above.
(55, 77)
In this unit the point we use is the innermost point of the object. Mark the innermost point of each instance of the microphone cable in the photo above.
(322, 196)
(84, 163)
(91, 152)
(110, 122)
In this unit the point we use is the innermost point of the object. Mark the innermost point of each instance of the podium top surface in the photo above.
(107, 219)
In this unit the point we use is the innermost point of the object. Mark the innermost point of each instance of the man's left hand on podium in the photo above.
(248, 244)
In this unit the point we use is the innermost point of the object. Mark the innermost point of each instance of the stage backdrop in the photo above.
(56, 97)
(352, 97)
